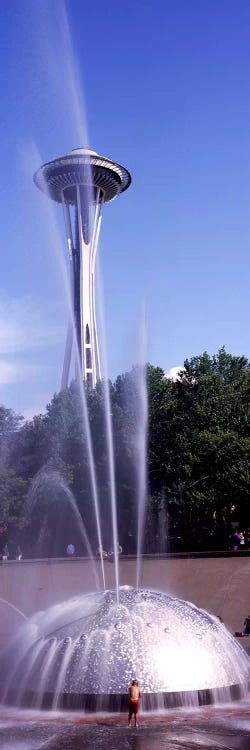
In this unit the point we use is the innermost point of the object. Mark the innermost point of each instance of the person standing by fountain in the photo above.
(70, 550)
(134, 698)
(237, 539)
(5, 552)
(246, 630)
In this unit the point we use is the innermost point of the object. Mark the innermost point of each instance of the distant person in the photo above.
(70, 550)
(247, 539)
(111, 551)
(246, 630)
(237, 540)
(101, 552)
(19, 553)
(5, 553)
(134, 699)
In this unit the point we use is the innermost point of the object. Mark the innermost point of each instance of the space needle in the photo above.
(82, 182)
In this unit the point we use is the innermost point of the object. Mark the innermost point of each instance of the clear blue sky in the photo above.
(166, 92)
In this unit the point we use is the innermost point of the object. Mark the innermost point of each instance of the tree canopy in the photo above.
(197, 468)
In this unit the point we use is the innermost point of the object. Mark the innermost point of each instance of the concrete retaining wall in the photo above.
(220, 585)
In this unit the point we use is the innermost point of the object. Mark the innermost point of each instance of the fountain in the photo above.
(82, 654)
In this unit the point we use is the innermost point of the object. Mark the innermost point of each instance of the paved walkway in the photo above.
(211, 728)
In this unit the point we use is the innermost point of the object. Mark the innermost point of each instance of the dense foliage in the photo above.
(198, 446)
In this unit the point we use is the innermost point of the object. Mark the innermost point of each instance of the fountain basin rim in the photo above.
(118, 702)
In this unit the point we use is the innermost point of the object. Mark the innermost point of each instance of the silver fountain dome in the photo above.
(85, 651)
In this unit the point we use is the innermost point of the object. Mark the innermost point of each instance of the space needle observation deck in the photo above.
(82, 182)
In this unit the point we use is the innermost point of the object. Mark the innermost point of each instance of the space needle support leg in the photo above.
(94, 248)
(88, 236)
(70, 330)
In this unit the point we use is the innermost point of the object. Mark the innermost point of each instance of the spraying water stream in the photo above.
(142, 423)
(57, 247)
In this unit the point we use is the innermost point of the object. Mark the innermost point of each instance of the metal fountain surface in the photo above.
(91, 645)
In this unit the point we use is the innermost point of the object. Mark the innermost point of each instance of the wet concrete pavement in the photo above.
(209, 728)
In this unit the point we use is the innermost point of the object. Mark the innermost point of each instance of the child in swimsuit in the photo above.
(134, 697)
